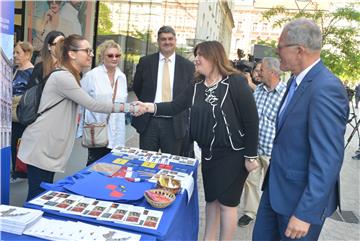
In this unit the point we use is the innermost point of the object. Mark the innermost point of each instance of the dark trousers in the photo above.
(17, 130)
(35, 177)
(160, 135)
(271, 226)
(95, 154)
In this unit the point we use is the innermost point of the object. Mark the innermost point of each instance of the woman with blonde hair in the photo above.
(23, 68)
(47, 143)
(224, 122)
(106, 82)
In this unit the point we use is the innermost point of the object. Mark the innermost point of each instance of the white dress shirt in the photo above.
(171, 63)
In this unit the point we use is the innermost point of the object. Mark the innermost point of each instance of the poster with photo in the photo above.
(69, 17)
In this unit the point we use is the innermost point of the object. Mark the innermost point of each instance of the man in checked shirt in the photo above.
(268, 96)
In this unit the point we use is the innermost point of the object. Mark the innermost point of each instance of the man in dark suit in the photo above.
(301, 187)
(160, 77)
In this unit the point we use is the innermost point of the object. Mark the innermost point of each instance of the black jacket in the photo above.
(238, 108)
(145, 82)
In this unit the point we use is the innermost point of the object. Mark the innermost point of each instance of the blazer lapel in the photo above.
(177, 74)
(154, 66)
(298, 93)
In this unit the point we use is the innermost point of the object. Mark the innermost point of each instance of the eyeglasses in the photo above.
(89, 51)
(113, 55)
(287, 45)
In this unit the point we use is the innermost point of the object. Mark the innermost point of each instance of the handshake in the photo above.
(136, 108)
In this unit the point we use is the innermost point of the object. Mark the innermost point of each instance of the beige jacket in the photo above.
(48, 142)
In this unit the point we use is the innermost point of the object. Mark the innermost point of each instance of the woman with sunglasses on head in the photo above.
(106, 82)
(49, 62)
(47, 143)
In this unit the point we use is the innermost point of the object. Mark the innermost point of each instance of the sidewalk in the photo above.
(333, 229)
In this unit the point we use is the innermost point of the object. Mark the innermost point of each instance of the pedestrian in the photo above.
(301, 187)
(267, 96)
(224, 122)
(23, 68)
(357, 95)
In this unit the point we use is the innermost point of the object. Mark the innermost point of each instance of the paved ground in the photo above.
(333, 229)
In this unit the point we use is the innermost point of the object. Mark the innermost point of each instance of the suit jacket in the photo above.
(303, 177)
(145, 82)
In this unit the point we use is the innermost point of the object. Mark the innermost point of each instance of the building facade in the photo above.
(250, 27)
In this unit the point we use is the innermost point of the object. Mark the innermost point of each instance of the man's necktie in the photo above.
(289, 96)
(166, 90)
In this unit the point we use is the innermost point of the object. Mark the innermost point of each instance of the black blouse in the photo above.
(222, 116)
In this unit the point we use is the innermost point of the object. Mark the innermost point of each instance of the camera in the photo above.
(244, 66)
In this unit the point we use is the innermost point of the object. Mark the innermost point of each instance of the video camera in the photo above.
(244, 66)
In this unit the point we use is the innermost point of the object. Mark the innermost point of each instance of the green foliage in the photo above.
(340, 30)
(104, 22)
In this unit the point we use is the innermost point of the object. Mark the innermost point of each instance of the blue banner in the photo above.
(7, 10)
(7, 17)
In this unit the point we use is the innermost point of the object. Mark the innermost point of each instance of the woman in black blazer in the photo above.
(224, 123)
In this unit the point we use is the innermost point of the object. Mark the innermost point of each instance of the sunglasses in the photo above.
(114, 55)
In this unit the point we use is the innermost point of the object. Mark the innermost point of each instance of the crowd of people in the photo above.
(254, 131)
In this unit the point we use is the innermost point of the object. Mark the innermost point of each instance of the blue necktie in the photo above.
(288, 97)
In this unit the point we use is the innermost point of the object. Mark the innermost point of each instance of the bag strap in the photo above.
(113, 98)
(45, 80)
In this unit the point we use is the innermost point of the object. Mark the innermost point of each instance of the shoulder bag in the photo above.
(96, 134)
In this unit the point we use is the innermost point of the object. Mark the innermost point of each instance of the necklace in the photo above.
(209, 83)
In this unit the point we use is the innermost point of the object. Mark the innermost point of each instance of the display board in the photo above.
(6, 49)
(69, 17)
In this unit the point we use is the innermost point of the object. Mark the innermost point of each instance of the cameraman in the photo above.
(254, 80)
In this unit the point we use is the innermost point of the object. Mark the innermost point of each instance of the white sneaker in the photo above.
(17, 179)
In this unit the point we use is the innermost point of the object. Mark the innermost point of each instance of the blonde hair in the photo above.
(106, 45)
(26, 47)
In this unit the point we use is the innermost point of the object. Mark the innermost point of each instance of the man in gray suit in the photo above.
(160, 77)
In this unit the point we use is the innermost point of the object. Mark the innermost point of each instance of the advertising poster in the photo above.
(6, 49)
(69, 17)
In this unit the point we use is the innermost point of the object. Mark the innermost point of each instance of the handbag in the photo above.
(19, 165)
(15, 103)
(96, 134)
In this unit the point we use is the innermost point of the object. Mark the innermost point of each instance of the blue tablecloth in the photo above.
(180, 221)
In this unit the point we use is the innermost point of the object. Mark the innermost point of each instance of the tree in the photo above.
(104, 23)
(340, 32)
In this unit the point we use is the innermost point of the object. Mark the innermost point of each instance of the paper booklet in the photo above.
(16, 219)
(70, 231)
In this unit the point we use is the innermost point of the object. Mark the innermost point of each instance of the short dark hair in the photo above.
(166, 29)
